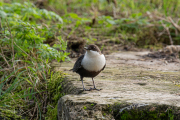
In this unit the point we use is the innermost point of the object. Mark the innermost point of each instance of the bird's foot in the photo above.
(87, 89)
(96, 89)
(91, 89)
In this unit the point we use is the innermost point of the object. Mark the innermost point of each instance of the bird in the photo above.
(90, 64)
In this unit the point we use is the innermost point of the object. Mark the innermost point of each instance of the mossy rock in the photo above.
(145, 112)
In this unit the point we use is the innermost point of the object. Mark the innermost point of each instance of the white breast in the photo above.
(93, 61)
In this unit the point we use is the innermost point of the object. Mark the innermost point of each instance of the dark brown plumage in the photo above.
(80, 69)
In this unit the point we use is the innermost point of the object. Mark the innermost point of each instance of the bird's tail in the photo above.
(71, 70)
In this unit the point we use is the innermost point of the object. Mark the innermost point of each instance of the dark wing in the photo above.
(77, 65)
(103, 67)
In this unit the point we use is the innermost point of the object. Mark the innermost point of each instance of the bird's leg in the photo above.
(95, 86)
(83, 85)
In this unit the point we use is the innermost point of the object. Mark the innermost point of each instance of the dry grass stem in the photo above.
(174, 24)
(169, 34)
(2, 54)
(12, 45)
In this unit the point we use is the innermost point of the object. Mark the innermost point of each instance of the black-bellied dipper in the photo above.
(90, 64)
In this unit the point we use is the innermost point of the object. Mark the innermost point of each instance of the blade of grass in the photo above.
(13, 84)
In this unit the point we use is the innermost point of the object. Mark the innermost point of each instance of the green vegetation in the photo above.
(149, 24)
(27, 85)
(55, 92)
(30, 38)
(84, 107)
(92, 104)
(146, 115)
(151, 112)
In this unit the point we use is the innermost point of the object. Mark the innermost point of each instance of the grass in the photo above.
(143, 23)
(26, 85)
(31, 38)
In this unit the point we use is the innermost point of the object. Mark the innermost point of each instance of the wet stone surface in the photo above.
(127, 79)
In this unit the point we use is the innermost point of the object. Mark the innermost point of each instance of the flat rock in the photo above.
(128, 79)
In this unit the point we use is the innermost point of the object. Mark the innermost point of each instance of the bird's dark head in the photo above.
(93, 48)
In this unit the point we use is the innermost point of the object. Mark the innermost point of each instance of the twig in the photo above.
(161, 18)
(170, 38)
(53, 10)
(174, 24)
(6, 69)
(107, 40)
(2, 54)
(22, 113)
(0, 26)
(45, 102)
(167, 29)
(22, 49)
(64, 33)
(34, 111)
(114, 11)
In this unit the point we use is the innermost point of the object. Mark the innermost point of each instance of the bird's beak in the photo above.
(85, 48)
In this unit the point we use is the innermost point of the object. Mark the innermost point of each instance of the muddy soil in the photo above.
(129, 77)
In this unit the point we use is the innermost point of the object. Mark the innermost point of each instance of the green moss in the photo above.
(9, 105)
(55, 91)
(85, 108)
(52, 113)
(92, 104)
(8, 114)
(135, 114)
(125, 111)
(178, 85)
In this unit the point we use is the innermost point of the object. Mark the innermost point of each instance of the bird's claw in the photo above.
(87, 89)
(96, 89)
(91, 89)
